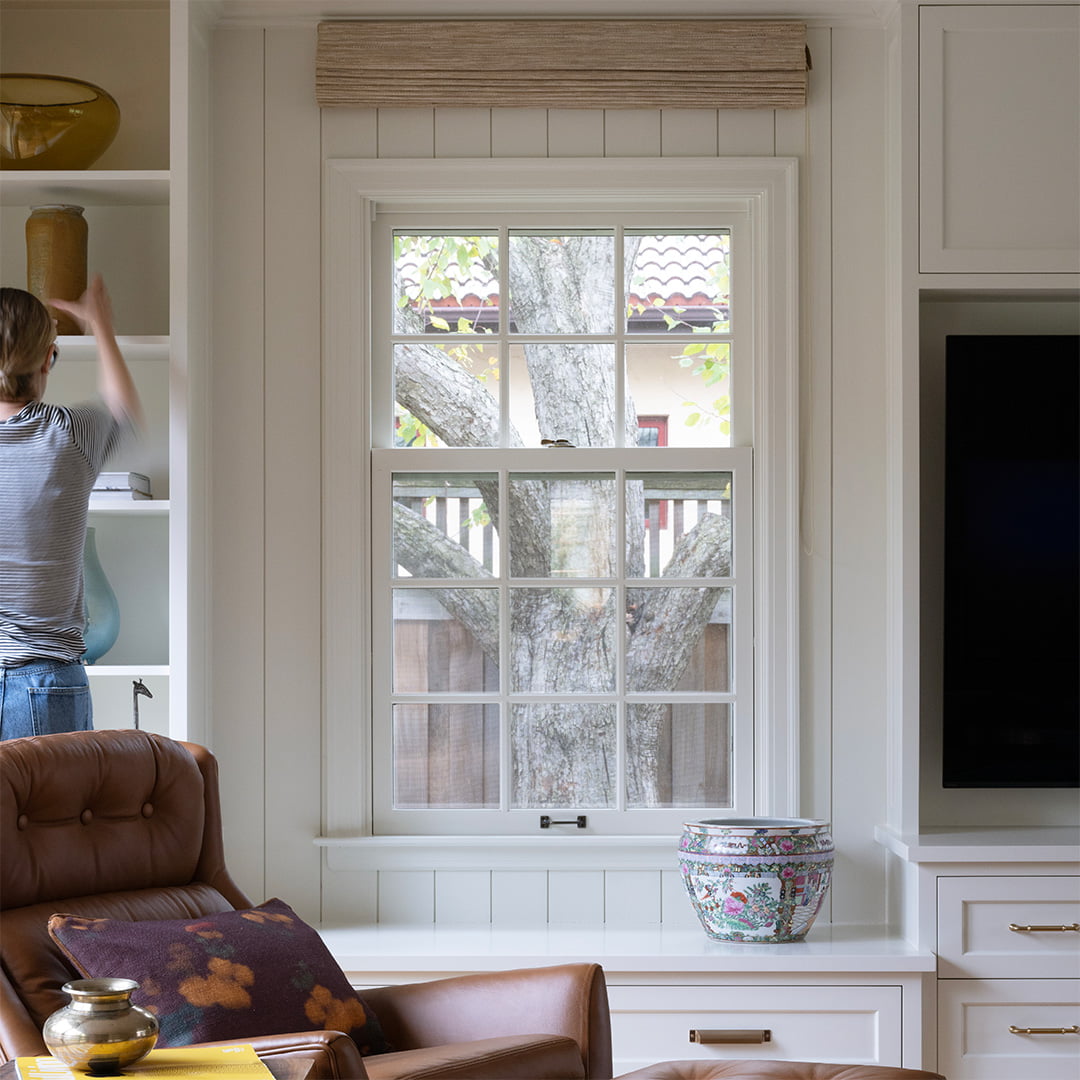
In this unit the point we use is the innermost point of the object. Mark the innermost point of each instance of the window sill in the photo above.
(554, 852)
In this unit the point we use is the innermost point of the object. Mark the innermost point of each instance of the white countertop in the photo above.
(986, 845)
(445, 949)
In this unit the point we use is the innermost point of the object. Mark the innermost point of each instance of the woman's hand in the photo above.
(92, 311)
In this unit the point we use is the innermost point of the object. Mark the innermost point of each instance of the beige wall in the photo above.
(269, 140)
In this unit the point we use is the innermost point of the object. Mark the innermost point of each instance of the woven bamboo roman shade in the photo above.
(584, 64)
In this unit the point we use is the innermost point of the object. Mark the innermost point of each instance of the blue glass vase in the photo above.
(99, 604)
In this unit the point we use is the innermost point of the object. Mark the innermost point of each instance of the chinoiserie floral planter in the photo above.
(756, 879)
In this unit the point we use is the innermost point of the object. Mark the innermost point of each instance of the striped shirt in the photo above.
(50, 456)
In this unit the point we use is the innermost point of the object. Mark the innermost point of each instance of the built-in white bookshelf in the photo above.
(137, 202)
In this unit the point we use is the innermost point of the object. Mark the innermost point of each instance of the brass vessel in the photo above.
(100, 1031)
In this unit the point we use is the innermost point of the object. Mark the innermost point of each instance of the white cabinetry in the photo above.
(1009, 977)
(143, 230)
(828, 1021)
(845, 994)
(1017, 927)
(1001, 908)
(999, 139)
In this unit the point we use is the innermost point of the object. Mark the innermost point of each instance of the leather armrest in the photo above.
(568, 999)
(335, 1055)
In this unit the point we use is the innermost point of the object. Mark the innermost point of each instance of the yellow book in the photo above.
(239, 1062)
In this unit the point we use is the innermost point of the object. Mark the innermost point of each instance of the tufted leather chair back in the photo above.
(107, 824)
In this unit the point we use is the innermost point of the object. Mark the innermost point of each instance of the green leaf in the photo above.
(439, 324)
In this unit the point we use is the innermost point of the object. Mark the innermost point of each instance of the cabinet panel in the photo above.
(134, 553)
(974, 1037)
(122, 47)
(836, 1023)
(74, 380)
(974, 919)
(111, 690)
(999, 139)
(128, 244)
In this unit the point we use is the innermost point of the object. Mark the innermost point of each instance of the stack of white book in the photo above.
(119, 487)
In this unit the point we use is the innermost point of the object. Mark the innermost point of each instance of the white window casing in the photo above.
(760, 195)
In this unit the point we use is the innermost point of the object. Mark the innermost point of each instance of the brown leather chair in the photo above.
(127, 825)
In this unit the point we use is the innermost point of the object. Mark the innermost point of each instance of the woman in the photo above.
(49, 458)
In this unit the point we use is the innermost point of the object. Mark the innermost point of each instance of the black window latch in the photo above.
(546, 822)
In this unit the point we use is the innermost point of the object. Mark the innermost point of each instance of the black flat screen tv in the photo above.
(1011, 663)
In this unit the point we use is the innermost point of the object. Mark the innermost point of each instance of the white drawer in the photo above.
(974, 919)
(814, 1023)
(974, 1037)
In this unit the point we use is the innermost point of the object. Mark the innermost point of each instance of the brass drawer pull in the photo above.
(1074, 1030)
(710, 1036)
(1020, 929)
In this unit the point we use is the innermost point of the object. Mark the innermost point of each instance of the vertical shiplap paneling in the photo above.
(524, 897)
(576, 896)
(746, 132)
(575, 133)
(462, 897)
(859, 469)
(191, 464)
(293, 491)
(632, 896)
(236, 434)
(350, 133)
(675, 911)
(519, 897)
(350, 896)
(406, 133)
(688, 133)
(519, 133)
(632, 133)
(463, 133)
(407, 896)
(808, 133)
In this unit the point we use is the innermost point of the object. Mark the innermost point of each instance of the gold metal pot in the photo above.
(100, 1031)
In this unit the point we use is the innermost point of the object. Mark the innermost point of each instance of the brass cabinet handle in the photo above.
(709, 1036)
(1074, 1030)
(1021, 929)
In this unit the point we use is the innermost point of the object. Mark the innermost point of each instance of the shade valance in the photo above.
(541, 63)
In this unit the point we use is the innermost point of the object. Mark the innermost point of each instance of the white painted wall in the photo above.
(269, 143)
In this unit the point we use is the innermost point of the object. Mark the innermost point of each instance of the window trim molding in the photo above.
(768, 189)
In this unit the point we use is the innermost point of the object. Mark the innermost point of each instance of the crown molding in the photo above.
(862, 13)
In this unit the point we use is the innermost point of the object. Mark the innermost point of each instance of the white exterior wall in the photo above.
(269, 143)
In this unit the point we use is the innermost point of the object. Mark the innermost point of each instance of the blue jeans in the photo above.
(43, 698)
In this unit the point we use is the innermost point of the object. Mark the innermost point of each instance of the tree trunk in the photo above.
(564, 640)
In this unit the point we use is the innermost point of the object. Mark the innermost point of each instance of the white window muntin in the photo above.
(740, 335)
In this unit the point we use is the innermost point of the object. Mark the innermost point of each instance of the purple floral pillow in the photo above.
(234, 975)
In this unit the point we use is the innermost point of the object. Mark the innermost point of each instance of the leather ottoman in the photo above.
(773, 1070)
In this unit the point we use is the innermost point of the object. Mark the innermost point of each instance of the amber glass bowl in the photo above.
(53, 122)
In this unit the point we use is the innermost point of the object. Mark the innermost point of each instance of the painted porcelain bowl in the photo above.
(756, 879)
(53, 122)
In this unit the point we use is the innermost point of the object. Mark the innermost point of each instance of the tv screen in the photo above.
(1011, 665)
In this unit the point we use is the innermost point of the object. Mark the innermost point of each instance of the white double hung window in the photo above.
(563, 598)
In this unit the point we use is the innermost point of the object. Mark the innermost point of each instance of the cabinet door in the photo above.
(976, 1040)
(975, 920)
(805, 1023)
(999, 139)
